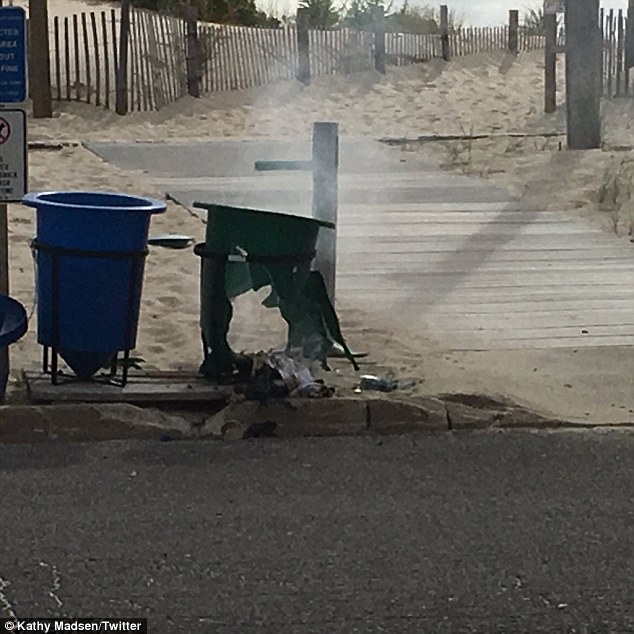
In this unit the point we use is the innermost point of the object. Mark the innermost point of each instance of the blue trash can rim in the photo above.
(12, 314)
(104, 201)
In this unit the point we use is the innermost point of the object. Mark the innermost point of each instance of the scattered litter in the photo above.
(378, 384)
(371, 382)
(279, 375)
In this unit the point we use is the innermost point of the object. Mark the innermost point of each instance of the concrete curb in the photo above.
(290, 418)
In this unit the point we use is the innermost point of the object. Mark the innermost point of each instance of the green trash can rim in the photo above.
(260, 212)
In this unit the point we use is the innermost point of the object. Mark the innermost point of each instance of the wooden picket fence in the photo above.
(85, 53)
(85, 57)
(616, 69)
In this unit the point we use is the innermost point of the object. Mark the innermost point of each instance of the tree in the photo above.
(358, 14)
(408, 19)
(321, 13)
(534, 21)
(242, 12)
(414, 19)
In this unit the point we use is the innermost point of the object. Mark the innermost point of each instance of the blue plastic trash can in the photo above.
(90, 255)
(13, 326)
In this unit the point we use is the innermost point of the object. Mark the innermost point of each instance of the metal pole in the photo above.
(4, 272)
(325, 195)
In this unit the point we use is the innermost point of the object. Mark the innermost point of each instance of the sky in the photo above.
(491, 12)
(473, 12)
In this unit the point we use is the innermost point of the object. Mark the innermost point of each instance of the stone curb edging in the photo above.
(280, 419)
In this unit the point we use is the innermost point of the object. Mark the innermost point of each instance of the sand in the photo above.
(491, 93)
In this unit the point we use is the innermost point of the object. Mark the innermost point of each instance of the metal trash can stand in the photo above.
(90, 250)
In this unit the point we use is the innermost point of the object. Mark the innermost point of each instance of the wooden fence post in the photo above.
(325, 165)
(550, 67)
(303, 44)
(629, 36)
(121, 78)
(514, 25)
(583, 74)
(378, 13)
(444, 31)
(193, 52)
(39, 60)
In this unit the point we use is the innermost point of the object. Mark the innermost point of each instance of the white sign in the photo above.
(553, 7)
(13, 170)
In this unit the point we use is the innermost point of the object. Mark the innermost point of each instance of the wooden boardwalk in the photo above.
(426, 250)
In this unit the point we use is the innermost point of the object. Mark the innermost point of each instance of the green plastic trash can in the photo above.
(248, 249)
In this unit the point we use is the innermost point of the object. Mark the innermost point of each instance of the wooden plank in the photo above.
(95, 39)
(143, 82)
(620, 51)
(440, 296)
(76, 51)
(204, 40)
(245, 60)
(449, 339)
(58, 73)
(106, 58)
(528, 333)
(253, 65)
(511, 310)
(222, 60)
(550, 68)
(455, 230)
(158, 388)
(237, 58)
(84, 30)
(260, 59)
(610, 52)
(169, 59)
(67, 58)
(123, 64)
(150, 75)
(136, 88)
(546, 322)
(157, 63)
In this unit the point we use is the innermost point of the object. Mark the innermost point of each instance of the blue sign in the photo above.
(12, 55)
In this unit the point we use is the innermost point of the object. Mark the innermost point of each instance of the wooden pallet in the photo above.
(158, 387)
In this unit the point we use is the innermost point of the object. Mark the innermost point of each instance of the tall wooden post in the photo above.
(121, 79)
(303, 70)
(39, 60)
(378, 14)
(193, 52)
(444, 31)
(629, 43)
(325, 195)
(514, 27)
(583, 74)
(550, 66)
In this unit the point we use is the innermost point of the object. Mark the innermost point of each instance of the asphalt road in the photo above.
(475, 532)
